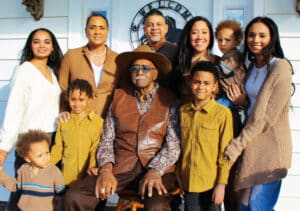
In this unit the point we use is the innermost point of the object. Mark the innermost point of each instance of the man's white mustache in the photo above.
(141, 78)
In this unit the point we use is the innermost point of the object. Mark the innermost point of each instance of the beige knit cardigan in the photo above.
(264, 144)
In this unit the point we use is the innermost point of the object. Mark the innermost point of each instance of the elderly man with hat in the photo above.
(140, 143)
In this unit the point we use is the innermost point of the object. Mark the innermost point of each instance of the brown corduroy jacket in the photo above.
(75, 65)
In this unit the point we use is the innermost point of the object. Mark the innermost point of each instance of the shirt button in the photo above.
(96, 95)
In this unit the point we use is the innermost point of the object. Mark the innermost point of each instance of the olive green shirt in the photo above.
(205, 134)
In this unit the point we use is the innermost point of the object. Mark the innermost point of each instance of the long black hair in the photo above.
(185, 49)
(54, 58)
(82, 85)
(274, 47)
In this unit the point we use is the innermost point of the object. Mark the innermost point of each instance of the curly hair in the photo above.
(235, 54)
(235, 26)
(206, 66)
(82, 86)
(28, 138)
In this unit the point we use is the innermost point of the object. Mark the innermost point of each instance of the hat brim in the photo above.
(162, 63)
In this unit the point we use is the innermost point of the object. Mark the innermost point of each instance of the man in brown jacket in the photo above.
(140, 142)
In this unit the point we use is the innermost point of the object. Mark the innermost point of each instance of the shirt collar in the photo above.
(150, 95)
(206, 108)
(85, 49)
(90, 115)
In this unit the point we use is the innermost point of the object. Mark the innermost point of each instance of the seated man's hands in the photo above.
(152, 179)
(106, 184)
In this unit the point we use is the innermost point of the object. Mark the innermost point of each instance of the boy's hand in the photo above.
(181, 193)
(180, 187)
(3, 155)
(231, 163)
(93, 171)
(218, 194)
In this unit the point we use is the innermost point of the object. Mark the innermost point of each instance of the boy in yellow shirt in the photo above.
(206, 129)
(77, 139)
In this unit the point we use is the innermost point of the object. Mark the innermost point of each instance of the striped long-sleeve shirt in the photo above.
(37, 191)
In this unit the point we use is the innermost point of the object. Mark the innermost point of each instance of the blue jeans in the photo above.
(263, 197)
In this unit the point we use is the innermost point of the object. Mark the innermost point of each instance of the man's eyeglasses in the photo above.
(144, 68)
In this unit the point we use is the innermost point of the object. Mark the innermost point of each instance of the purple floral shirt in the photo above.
(169, 153)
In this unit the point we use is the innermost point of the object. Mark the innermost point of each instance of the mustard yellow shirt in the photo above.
(75, 145)
(204, 136)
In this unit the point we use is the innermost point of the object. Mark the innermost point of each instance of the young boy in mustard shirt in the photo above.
(206, 129)
(76, 140)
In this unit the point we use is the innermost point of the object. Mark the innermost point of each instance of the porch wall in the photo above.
(66, 19)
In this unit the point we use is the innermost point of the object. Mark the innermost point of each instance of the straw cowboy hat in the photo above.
(162, 63)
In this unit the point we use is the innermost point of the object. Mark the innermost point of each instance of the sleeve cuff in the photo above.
(159, 172)
(223, 175)
(231, 152)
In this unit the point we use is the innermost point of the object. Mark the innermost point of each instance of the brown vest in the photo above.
(139, 137)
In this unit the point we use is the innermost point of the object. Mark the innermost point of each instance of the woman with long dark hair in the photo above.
(264, 144)
(195, 44)
(33, 102)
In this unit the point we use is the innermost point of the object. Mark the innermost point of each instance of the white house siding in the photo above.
(66, 18)
(288, 20)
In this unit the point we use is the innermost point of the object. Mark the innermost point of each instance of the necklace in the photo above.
(98, 54)
(257, 73)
